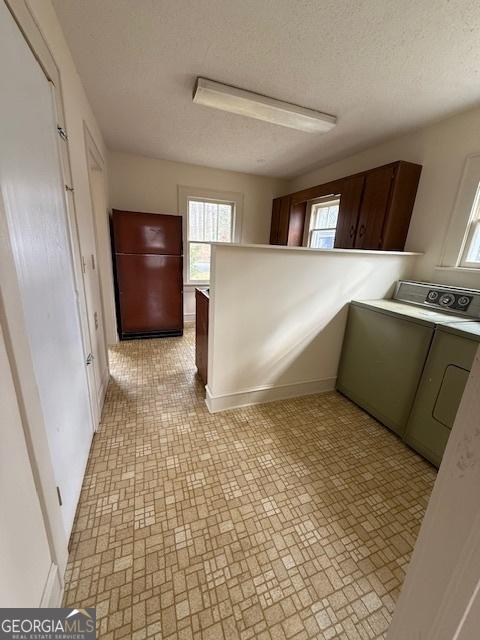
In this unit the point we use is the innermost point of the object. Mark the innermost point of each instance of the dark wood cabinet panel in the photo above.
(202, 301)
(329, 189)
(280, 220)
(288, 222)
(276, 204)
(296, 224)
(350, 200)
(373, 209)
(374, 213)
(402, 199)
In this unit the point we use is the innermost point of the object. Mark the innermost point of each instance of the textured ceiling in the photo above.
(382, 66)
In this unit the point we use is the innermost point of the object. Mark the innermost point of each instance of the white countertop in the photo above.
(281, 247)
(423, 314)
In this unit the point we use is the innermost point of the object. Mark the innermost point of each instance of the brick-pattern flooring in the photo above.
(294, 519)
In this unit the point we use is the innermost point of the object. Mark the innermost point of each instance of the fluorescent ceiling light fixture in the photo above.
(253, 105)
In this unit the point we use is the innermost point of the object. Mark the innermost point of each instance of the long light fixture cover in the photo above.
(253, 105)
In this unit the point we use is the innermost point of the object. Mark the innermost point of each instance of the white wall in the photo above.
(138, 183)
(439, 598)
(442, 149)
(277, 317)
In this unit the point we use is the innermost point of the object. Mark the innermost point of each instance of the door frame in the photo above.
(101, 229)
(11, 310)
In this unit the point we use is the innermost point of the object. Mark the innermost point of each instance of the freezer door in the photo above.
(151, 233)
(150, 294)
(381, 364)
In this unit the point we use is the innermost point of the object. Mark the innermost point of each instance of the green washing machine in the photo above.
(390, 344)
(441, 388)
(384, 351)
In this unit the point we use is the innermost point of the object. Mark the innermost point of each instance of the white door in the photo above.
(34, 200)
(25, 561)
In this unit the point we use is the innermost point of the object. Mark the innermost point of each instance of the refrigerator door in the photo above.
(150, 294)
(152, 233)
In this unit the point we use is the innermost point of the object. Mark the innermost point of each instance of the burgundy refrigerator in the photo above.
(148, 264)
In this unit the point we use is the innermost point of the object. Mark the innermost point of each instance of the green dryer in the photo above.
(441, 388)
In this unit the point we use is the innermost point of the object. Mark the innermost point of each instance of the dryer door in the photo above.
(439, 394)
(451, 392)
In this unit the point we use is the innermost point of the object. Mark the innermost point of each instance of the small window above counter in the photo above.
(374, 211)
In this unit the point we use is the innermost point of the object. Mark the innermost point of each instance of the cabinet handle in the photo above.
(362, 230)
(352, 231)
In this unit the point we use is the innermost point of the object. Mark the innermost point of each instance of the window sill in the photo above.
(195, 285)
(458, 269)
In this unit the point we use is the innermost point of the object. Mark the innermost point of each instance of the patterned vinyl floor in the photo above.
(290, 520)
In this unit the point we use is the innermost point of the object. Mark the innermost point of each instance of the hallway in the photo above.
(294, 519)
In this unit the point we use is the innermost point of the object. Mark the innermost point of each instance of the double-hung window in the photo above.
(461, 248)
(323, 224)
(207, 221)
(470, 256)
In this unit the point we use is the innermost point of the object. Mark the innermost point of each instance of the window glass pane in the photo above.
(225, 214)
(199, 261)
(195, 220)
(324, 216)
(210, 221)
(211, 213)
(322, 239)
(473, 254)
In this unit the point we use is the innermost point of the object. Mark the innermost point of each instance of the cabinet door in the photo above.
(350, 199)
(402, 199)
(280, 220)
(296, 224)
(276, 204)
(201, 334)
(375, 200)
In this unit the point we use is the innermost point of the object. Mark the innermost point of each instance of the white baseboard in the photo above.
(270, 393)
(189, 317)
(53, 591)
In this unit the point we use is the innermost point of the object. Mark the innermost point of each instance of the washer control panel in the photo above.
(455, 300)
(448, 299)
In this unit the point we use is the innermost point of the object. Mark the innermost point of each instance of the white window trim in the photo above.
(324, 199)
(186, 193)
(460, 230)
(473, 225)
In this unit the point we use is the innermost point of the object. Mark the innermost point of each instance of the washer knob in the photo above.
(463, 301)
(432, 296)
(447, 299)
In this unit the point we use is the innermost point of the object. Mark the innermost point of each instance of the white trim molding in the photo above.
(268, 393)
(52, 595)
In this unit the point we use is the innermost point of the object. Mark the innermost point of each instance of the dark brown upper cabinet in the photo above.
(350, 200)
(374, 212)
(288, 222)
(373, 208)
